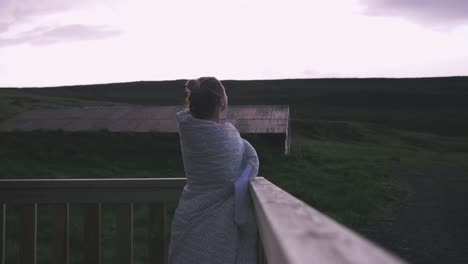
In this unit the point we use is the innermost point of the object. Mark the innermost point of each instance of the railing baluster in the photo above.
(28, 234)
(92, 233)
(2, 232)
(260, 252)
(157, 220)
(60, 227)
(124, 214)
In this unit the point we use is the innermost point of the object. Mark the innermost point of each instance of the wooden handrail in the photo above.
(293, 232)
(122, 190)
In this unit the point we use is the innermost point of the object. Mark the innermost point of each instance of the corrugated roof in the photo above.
(247, 119)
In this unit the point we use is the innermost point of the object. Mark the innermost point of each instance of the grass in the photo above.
(14, 102)
(348, 181)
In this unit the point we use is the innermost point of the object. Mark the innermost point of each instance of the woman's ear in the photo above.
(223, 103)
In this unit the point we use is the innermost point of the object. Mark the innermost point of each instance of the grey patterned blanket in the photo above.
(214, 221)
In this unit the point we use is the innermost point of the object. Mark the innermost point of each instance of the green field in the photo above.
(346, 136)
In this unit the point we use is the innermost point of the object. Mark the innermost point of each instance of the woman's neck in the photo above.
(215, 117)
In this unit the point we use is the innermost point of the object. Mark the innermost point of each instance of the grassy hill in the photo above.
(16, 101)
(435, 105)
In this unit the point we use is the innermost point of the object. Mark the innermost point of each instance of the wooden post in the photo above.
(60, 235)
(124, 218)
(287, 141)
(260, 252)
(2, 232)
(92, 233)
(28, 234)
(156, 231)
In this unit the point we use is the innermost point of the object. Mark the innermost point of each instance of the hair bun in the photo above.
(193, 85)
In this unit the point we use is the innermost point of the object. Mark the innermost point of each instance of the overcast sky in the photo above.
(66, 42)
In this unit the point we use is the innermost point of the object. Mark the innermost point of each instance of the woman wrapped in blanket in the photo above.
(214, 221)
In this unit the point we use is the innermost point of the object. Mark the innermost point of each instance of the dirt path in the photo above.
(431, 226)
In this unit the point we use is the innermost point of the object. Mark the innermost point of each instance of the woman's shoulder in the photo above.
(229, 127)
(182, 115)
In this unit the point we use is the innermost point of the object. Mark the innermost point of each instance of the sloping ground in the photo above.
(431, 105)
(14, 102)
(430, 226)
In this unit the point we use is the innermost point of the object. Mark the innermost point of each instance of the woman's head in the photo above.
(206, 97)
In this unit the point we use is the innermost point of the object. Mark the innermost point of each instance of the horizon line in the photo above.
(241, 80)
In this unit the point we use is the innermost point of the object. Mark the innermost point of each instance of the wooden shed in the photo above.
(252, 119)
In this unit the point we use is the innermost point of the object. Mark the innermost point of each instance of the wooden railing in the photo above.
(90, 194)
(290, 231)
(293, 232)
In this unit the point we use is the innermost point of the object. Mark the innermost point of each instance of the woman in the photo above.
(214, 221)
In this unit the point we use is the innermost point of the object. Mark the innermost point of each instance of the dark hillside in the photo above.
(434, 105)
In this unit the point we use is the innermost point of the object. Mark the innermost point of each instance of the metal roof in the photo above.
(247, 119)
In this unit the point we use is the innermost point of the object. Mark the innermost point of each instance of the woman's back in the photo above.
(204, 229)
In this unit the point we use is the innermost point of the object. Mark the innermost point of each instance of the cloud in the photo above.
(68, 33)
(436, 13)
(318, 74)
(19, 15)
(4, 27)
(311, 73)
(13, 11)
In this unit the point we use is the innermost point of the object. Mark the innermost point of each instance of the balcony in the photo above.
(289, 230)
